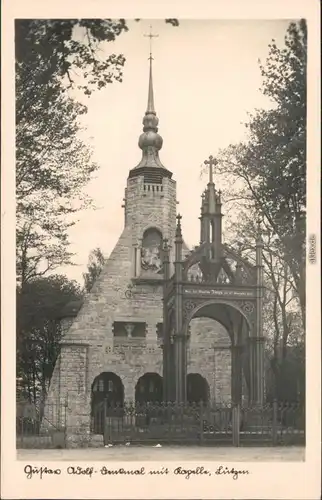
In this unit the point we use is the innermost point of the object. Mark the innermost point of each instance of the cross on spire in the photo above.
(211, 162)
(150, 107)
(151, 35)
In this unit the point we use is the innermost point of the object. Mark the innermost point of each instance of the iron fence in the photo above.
(273, 424)
(39, 426)
(167, 423)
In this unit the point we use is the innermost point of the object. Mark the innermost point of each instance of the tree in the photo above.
(53, 165)
(94, 267)
(267, 174)
(39, 306)
(266, 177)
(281, 318)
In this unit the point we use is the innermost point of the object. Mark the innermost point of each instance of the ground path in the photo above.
(169, 453)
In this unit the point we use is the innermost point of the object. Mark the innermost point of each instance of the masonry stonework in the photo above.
(89, 348)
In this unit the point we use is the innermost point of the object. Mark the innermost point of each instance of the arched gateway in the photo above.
(213, 281)
(197, 388)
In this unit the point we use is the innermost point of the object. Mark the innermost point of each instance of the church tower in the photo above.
(150, 198)
(112, 348)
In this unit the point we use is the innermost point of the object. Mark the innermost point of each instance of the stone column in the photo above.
(129, 389)
(166, 323)
(137, 260)
(180, 355)
(256, 342)
(256, 354)
(171, 371)
(236, 373)
(180, 348)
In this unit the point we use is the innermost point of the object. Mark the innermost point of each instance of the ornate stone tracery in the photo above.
(214, 281)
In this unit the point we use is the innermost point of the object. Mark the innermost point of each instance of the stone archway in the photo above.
(230, 314)
(197, 388)
(107, 395)
(236, 328)
(149, 388)
(229, 292)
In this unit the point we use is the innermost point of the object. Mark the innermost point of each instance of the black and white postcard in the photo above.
(160, 250)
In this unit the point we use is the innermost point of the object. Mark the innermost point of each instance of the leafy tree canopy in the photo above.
(268, 172)
(52, 162)
(94, 267)
(39, 308)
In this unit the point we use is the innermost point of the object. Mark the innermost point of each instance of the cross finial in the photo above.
(151, 35)
(211, 162)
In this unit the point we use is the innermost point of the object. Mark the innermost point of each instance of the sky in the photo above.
(206, 79)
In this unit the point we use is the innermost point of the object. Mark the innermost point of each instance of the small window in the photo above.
(123, 329)
(119, 329)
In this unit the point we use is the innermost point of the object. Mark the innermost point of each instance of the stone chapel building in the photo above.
(113, 344)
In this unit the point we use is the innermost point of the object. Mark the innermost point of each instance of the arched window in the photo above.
(212, 226)
(151, 251)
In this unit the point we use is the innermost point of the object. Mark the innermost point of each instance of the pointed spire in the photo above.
(178, 228)
(150, 142)
(150, 107)
(178, 241)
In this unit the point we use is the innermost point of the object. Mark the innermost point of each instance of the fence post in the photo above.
(105, 421)
(22, 429)
(65, 419)
(274, 430)
(201, 420)
(235, 424)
